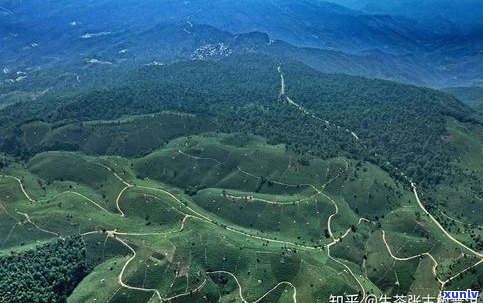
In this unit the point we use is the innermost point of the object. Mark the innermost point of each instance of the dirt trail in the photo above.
(329, 227)
(84, 197)
(21, 186)
(305, 111)
(36, 226)
(197, 215)
(119, 197)
(240, 290)
(435, 263)
(190, 292)
(252, 199)
(337, 240)
(119, 278)
(415, 191)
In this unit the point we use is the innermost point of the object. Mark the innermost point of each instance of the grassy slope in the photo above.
(174, 261)
(241, 190)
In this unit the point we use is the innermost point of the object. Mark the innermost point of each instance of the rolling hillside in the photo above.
(216, 151)
(222, 218)
(243, 94)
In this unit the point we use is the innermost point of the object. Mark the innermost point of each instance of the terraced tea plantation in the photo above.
(229, 218)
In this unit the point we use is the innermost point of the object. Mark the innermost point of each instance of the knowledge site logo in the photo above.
(451, 296)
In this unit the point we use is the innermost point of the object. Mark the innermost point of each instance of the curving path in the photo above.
(251, 198)
(318, 192)
(480, 255)
(303, 109)
(435, 263)
(21, 186)
(84, 197)
(119, 278)
(188, 292)
(36, 226)
(240, 292)
(197, 215)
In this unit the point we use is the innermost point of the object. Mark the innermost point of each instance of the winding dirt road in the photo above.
(199, 216)
(240, 291)
(21, 186)
(305, 111)
(415, 191)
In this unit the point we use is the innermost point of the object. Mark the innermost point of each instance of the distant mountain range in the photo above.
(39, 36)
(442, 15)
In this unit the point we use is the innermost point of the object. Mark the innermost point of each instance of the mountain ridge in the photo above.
(374, 46)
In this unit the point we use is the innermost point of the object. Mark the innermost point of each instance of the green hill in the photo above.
(247, 178)
(400, 124)
(260, 215)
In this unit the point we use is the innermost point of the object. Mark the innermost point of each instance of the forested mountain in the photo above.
(242, 94)
(223, 151)
(49, 273)
(339, 39)
(215, 145)
(304, 23)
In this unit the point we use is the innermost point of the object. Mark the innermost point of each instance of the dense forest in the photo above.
(397, 126)
(48, 273)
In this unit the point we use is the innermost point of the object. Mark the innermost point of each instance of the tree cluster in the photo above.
(48, 273)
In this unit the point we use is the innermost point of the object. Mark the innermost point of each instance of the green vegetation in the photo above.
(48, 273)
(241, 95)
(173, 234)
(201, 182)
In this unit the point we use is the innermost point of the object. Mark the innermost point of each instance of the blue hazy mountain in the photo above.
(304, 23)
(464, 15)
(75, 36)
